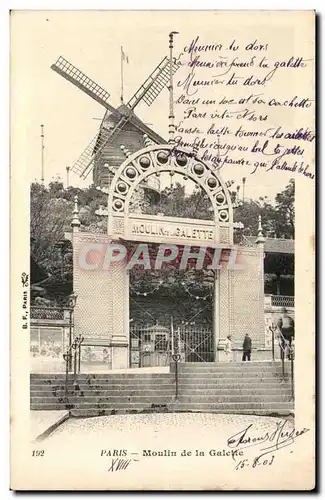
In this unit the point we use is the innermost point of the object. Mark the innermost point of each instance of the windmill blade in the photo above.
(83, 165)
(154, 84)
(80, 80)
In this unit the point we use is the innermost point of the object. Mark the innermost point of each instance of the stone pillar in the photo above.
(216, 313)
(224, 309)
(260, 243)
(120, 317)
(75, 223)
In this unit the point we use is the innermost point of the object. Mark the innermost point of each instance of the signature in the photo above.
(119, 464)
(280, 437)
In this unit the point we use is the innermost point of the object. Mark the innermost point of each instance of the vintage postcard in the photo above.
(162, 250)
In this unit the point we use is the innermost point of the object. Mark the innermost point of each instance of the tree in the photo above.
(278, 219)
(174, 202)
(285, 209)
(248, 213)
(50, 217)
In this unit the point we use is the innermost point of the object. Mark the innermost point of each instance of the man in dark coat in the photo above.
(247, 348)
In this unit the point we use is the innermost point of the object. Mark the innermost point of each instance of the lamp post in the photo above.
(72, 305)
(244, 181)
(61, 245)
(68, 170)
(237, 193)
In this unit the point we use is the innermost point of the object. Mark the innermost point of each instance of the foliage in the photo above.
(50, 218)
(278, 219)
(173, 202)
(285, 208)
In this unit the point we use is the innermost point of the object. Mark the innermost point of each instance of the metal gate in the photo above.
(154, 345)
(149, 346)
(155, 342)
(194, 343)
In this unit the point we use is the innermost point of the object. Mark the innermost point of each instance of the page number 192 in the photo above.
(38, 453)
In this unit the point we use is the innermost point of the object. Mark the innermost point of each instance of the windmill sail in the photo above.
(80, 80)
(83, 165)
(154, 84)
(148, 92)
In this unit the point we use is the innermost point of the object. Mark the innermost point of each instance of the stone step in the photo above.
(113, 379)
(154, 399)
(241, 366)
(90, 376)
(235, 391)
(233, 382)
(269, 405)
(107, 390)
(103, 386)
(226, 363)
(166, 380)
(186, 390)
(279, 412)
(197, 399)
(238, 365)
(79, 401)
(239, 374)
(202, 378)
(207, 406)
(110, 406)
(236, 372)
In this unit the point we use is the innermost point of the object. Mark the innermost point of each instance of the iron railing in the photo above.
(73, 352)
(282, 301)
(287, 350)
(51, 313)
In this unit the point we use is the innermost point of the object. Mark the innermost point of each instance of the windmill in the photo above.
(122, 115)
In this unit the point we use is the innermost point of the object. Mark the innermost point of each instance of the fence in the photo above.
(49, 313)
(282, 301)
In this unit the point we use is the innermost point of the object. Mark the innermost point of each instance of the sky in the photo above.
(91, 40)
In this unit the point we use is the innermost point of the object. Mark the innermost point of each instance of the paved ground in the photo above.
(166, 425)
(42, 421)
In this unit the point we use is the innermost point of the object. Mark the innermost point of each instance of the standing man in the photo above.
(247, 348)
(286, 325)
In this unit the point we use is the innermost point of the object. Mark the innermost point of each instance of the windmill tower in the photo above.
(120, 126)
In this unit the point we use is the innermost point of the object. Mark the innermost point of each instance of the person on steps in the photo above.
(286, 326)
(228, 348)
(247, 348)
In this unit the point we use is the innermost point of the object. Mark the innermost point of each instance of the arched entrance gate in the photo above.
(152, 345)
(105, 292)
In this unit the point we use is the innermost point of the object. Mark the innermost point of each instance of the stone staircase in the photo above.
(102, 394)
(254, 387)
(251, 387)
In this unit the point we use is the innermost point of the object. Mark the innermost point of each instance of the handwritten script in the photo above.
(235, 104)
(268, 442)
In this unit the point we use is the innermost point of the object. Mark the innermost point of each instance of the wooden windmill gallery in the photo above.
(128, 160)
